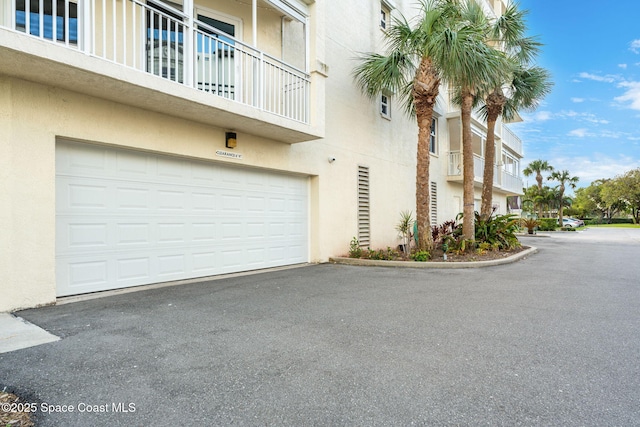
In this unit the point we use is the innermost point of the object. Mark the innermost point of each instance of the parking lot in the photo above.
(549, 340)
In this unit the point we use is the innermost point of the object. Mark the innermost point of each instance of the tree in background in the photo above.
(537, 167)
(598, 199)
(564, 178)
(627, 188)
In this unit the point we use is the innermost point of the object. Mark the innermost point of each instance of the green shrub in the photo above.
(421, 256)
(530, 224)
(548, 224)
(621, 221)
(499, 231)
(355, 251)
(382, 254)
(596, 221)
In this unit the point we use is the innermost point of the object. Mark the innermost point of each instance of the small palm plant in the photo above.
(405, 230)
(530, 224)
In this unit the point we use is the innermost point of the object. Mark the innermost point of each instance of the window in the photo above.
(65, 24)
(386, 6)
(433, 137)
(364, 226)
(384, 17)
(385, 106)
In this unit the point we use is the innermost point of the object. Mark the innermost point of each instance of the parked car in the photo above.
(579, 221)
(570, 222)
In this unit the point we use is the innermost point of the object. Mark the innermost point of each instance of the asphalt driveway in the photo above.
(550, 340)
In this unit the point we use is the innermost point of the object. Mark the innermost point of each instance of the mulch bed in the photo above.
(437, 255)
(9, 415)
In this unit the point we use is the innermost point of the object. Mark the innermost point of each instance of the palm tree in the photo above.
(537, 167)
(564, 178)
(525, 87)
(475, 71)
(418, 59)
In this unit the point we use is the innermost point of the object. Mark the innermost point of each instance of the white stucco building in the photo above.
(150, 141)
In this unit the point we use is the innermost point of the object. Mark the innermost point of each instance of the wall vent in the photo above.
(364, 217)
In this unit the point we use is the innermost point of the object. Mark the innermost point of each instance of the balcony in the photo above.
(511, 140)
(156, 57)
(503, 180)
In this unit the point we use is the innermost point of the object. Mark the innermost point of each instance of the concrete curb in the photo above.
(435, 264)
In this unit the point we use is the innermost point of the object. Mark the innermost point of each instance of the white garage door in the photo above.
(126, 218)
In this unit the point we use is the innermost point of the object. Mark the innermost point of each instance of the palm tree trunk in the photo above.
(468, 219)
(539, 181)
(425, 91)
(560, 210)
(486, 207)
(495, 102)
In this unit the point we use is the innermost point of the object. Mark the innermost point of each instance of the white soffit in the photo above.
(292, 8)
(389, 4)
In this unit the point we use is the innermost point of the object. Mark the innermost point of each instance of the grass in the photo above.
(615, 225)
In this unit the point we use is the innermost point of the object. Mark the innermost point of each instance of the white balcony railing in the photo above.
(478, 167)
(511, 182)
(455, 165)
(501, 178)
(169, 44)
(511, 140)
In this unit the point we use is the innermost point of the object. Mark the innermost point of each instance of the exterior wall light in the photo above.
(230, 140)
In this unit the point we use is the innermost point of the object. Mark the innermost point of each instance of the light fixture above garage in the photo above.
(230, 140)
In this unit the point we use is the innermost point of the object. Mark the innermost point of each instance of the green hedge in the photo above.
(548, 224)
(596, 221)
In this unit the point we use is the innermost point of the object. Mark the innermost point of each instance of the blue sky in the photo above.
(590, 123)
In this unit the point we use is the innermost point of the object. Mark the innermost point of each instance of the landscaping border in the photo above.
(434, 264)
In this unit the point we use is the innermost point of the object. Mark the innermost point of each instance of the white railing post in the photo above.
(10, 10)
(87, 27)
(189, 48)
(261, 86)
(455, 163)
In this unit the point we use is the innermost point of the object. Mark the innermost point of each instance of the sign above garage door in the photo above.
(126, 218)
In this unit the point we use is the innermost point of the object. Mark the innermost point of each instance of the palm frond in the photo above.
(376, 74)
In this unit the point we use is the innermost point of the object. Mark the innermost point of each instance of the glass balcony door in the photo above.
(217, 61)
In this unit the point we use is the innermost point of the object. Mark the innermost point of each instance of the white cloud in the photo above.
(577, 100)
(623, 66)
(541, 116)
(596, 166)
(580, 133)
(631, 96)
(635, 46)
(588, 168)
(587, 117)
(592, 119)
(609, 78)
